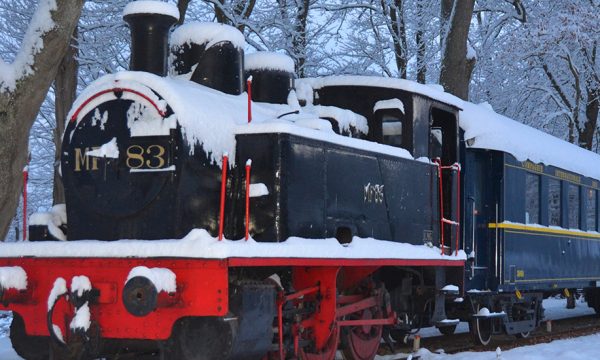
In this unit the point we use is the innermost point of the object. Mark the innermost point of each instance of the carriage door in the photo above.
(443, 149)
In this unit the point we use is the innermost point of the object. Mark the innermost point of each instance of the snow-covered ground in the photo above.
(580, 348)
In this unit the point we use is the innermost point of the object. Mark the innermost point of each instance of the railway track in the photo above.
(461, 342)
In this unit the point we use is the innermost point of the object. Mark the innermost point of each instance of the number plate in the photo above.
(149, 156)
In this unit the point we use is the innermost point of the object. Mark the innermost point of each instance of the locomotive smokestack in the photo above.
(149, 22)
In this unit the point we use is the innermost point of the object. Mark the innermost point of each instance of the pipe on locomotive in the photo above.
(149, 23)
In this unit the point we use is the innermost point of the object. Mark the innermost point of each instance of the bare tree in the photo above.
(24, 86)
(539, 63)
(234, 12)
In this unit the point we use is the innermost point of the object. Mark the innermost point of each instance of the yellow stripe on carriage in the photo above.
(543, 230)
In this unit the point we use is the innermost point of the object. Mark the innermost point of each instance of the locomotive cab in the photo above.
(426, 128)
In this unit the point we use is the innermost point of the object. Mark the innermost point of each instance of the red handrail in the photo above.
(439, 164)
(249, 86)
(25, 178)
(456, 166)
(248, 167)
(457, 205)
(223, 189)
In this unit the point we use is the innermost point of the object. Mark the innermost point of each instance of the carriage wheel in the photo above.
(481, 329)
(327, 353)
(362, 342)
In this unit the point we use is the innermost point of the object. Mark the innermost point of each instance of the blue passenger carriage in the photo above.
(530, 225)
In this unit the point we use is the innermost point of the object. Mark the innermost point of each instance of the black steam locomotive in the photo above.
(370, 207)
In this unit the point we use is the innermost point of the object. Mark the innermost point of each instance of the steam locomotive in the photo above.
(365, 208)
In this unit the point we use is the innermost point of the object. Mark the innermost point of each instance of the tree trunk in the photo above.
(396, 14)
(65, 88)
(19, 108)
(299, 38)
(586, 136)
(421, 65)
(182, 5)
(445, 12)
(219, 14)
(420, 41)
(455, 75)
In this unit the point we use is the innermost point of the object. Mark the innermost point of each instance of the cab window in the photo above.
(391, 127)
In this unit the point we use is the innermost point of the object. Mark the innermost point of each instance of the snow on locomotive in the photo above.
(353, 213)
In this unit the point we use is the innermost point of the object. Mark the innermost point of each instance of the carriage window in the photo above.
(591, 210)
(392, 130)
(532, 199)
(554, 202)
(573, 206)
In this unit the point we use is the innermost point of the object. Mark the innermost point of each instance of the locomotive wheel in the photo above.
(447, 330)
(362, 342)
(327, 353)
(524, 335)
(28, 347)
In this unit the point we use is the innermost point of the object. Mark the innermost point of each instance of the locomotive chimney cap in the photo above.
(151, 7)
(208, 34)
(265, 60)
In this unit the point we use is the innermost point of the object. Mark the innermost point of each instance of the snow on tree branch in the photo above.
(33, 42)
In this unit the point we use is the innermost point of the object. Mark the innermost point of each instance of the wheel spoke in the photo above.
(362, 342)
